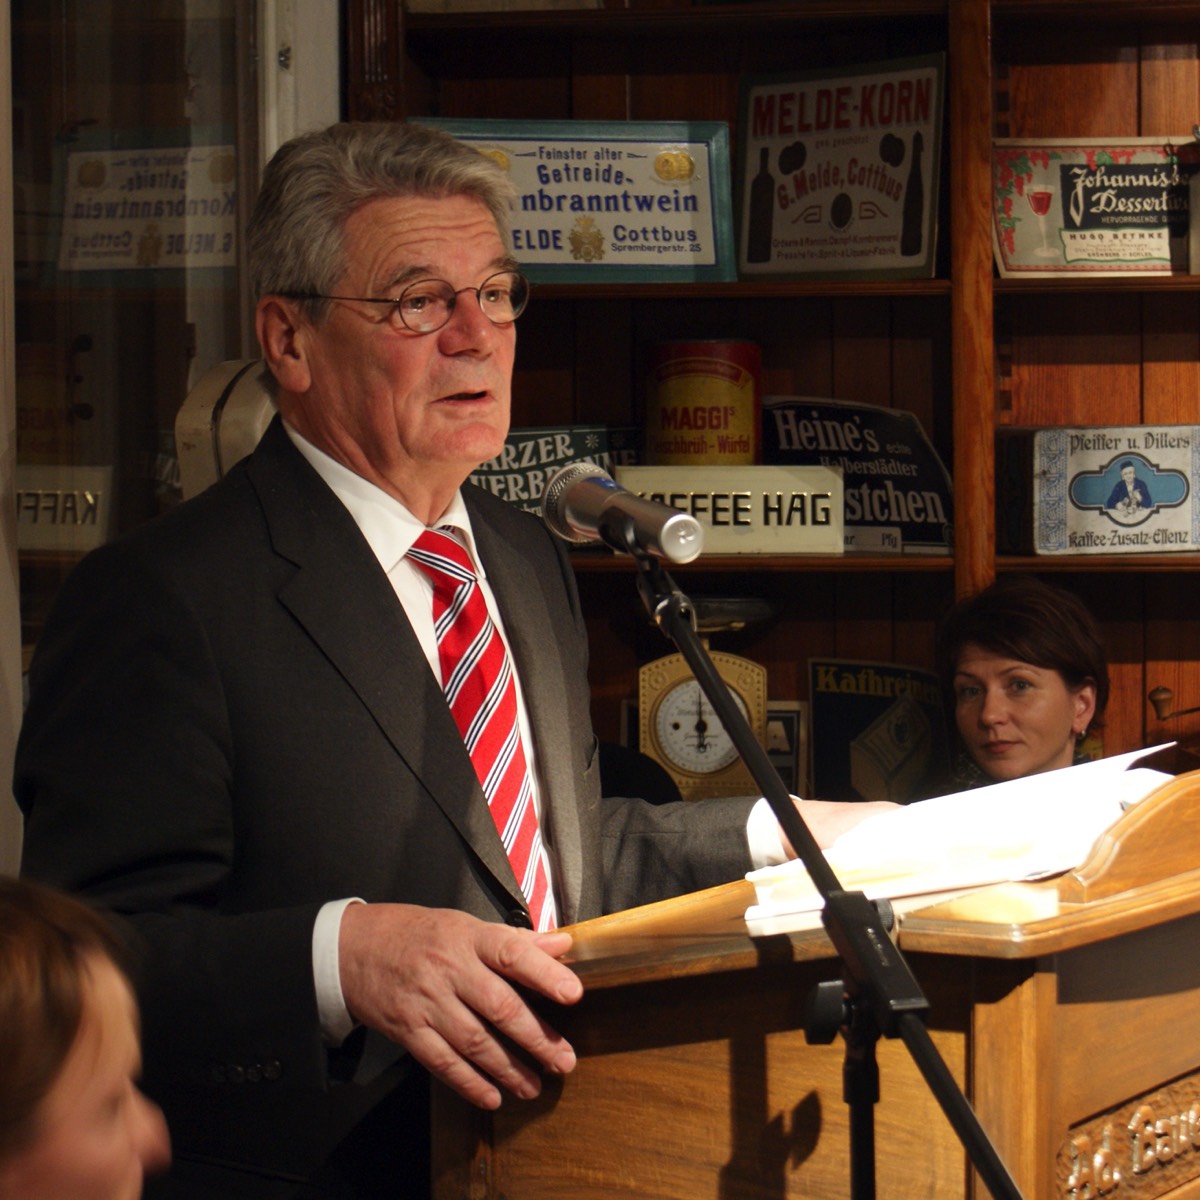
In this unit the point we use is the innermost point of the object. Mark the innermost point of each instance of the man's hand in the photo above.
(827, 820)
(444, 985)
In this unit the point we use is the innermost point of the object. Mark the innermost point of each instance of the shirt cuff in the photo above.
(765, 836)
(336, 1022)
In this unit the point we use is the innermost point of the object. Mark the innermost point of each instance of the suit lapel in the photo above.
(344, 601)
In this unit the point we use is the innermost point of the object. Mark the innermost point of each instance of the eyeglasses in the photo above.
(426, 305)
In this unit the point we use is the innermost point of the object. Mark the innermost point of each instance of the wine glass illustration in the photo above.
(1041, 197)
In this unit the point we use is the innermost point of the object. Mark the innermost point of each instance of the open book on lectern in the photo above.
(1019, 830)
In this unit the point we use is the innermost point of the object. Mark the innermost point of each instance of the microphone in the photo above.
(582, 503)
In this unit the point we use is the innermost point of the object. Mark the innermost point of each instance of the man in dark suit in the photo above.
(237, 737)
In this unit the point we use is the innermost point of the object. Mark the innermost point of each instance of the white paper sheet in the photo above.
(1021, 829)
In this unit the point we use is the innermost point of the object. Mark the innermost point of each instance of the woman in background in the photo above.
(73, 1125)
(1027, 678)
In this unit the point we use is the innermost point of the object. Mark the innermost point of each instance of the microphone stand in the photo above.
(877, 994)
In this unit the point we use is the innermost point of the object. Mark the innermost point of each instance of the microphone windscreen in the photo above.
(556, 494)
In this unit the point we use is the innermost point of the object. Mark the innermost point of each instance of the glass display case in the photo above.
(134, 158)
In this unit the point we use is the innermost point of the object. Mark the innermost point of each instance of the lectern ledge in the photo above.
(1068, 1010)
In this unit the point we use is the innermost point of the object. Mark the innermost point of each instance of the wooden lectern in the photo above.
(1068, 1010)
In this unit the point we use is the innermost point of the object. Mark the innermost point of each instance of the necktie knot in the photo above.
(440, 554)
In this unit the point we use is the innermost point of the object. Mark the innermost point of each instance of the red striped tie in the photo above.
(478, 682)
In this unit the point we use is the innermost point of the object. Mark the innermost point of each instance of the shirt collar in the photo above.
(389, 527)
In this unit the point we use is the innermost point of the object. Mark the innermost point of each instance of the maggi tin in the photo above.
(703, 405)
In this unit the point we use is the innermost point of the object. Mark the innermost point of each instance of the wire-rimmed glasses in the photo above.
(425, 305)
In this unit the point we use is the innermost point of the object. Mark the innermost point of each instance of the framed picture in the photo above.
(787, 743)
(613, 201)
(877, 731)
(1091, 206)
(839, 171)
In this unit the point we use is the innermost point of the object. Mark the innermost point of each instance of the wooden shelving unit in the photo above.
(964, 351)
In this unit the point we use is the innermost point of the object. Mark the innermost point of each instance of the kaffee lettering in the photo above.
(56, 507)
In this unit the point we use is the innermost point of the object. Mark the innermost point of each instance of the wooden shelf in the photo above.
(1083, 284)
(746, 289)
(598, 561)
(1167, 563)
(1118, 11)
(686, 20)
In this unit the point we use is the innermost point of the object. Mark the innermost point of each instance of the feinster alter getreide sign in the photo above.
(608, 201)
(149, 209)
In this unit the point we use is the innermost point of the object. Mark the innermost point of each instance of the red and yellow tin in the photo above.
(703, 405)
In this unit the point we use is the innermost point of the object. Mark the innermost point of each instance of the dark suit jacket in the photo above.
(231, 722)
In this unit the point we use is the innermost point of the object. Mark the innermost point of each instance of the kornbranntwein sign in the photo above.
(149, 209)
(838, 171)
(610, 201)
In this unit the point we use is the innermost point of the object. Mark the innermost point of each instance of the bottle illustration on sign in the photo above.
(914, 203)
(762, 210)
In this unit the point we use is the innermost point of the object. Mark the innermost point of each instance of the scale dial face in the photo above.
(690, 734)
(678, 729)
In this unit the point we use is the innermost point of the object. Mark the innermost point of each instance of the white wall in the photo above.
(299, 87)
(10, 624)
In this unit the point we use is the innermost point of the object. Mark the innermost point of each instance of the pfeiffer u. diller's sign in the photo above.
(839, 170)
(607, 201)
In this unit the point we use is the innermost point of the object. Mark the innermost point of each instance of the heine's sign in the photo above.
(897, 492)
(751, 510)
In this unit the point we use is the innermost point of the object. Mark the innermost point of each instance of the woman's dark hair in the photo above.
(1025, 619)
(47, 939)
